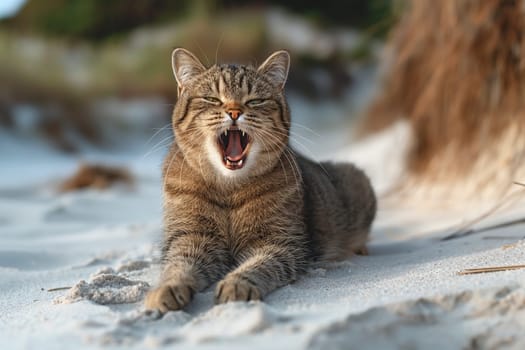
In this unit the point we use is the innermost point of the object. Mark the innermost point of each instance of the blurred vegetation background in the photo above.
(80, 72)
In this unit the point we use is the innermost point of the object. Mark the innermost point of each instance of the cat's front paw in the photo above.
(168, 298)
(233, 289)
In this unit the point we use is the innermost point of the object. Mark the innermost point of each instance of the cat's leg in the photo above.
(261, 270)
(192, 262)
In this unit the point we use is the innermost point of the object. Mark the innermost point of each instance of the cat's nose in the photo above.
(234, 113)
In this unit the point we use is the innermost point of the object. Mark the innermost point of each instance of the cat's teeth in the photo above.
(225, 132)
(240, 162)
(243, 133)
(228, 162)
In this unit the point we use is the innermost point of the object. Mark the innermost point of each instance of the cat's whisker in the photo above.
(306, 128)
(202, 52)
(164, 146)
(280, 160)
(295, 166)
(294, 134)
(289, 157)
(218, 47)
(287, 151)
(303, 147)
(309, 152)
(313, 156)
(165, 142)
(299, 143)
(284, 171)
(156, 133)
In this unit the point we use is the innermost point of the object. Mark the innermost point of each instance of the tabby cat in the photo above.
(240, 206)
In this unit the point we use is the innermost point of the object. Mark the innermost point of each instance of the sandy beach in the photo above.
(74, 268)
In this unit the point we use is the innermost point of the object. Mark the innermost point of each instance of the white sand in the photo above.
(404, 295)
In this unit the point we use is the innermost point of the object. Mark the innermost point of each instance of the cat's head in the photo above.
(231, 120)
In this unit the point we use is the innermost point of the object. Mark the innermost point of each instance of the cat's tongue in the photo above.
(234, 149)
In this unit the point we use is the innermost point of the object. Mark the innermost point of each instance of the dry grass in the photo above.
(490, 269)
(457, 74)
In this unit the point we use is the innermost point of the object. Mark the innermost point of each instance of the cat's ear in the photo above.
(185, 66)
(275, 68)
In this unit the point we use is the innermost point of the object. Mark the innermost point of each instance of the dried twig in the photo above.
(460, 234)
(490, 269)
(504, 237)
(466, 229)
(57, 289)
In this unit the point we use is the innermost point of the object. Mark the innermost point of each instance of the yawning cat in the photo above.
(242, 208)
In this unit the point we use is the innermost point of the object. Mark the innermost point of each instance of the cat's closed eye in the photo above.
(212, 100)
(256, 102)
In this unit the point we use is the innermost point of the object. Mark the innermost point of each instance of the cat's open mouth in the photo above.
(234, 145)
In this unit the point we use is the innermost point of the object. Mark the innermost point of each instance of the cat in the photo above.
(242, 208)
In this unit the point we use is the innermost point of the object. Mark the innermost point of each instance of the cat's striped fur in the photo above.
(250, 225)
